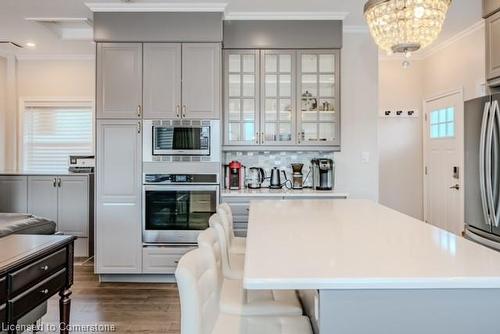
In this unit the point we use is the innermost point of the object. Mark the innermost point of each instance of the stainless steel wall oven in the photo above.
(177, 207)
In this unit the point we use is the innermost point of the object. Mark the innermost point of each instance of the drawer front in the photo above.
(37, 271)
(3, 314)
(162, 260)
(25, 302)
(3, 290)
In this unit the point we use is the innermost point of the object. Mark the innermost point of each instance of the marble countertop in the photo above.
(23, 172)
(282, 193)
(358, 244)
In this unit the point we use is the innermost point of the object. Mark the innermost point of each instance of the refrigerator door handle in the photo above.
(482, 179)
(496, 206)
(488, 161)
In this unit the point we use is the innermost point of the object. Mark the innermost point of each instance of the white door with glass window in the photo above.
(443, 155)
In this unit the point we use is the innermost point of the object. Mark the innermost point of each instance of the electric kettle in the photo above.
(275, 178)
(255, 177)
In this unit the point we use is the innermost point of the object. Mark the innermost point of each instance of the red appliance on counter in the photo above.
(235, 175)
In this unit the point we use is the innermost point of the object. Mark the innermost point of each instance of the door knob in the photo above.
(456, 187)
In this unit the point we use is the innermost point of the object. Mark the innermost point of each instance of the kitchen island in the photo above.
(364, 268)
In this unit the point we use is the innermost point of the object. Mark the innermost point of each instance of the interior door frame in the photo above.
(459, 131)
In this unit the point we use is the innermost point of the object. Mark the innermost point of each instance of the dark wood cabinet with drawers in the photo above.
(34, 268)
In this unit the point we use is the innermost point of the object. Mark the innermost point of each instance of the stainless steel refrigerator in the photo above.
(482, 170)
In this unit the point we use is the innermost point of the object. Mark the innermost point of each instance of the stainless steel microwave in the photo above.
(181, 140)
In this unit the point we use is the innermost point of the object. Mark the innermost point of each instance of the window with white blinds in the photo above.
(53, 132)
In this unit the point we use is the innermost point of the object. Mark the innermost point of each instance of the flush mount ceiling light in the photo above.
(405, 26)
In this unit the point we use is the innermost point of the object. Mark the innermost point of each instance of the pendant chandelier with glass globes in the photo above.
(405, 26)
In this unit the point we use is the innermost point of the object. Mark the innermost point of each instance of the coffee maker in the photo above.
(235, 175)
(323, 174)
(297, 177)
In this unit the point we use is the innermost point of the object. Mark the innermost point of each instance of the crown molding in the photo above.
(156, 7)
(27, 57)
(426, 53)
(353, 29)
(338, 16)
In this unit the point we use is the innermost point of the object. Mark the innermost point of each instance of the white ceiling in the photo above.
(13, 25)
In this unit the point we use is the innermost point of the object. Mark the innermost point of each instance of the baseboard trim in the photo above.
(139, 278)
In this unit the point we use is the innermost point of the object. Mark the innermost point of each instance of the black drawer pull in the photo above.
(45, 291)
(44, 268)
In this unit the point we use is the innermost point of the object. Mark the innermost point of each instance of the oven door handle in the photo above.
(170, 187)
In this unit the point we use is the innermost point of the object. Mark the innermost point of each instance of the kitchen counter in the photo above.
(361, 267)
(28, 173)
(358, 244)
(266, 192)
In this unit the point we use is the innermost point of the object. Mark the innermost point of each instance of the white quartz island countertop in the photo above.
(358, 244)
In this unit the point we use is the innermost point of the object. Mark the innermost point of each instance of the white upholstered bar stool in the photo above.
(232, 264)
(197, 280)
(237, 245)
(236, 300)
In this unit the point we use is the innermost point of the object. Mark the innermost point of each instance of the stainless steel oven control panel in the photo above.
(181, 179)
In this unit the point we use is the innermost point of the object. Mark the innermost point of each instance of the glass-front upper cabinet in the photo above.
(277, 97)
(241, 100)
(318, 97)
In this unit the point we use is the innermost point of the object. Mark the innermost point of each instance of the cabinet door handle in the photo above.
(45, 291)
(298, 137)
(44, 268)
(138, 127)
(262, 138)
(139, 111)
(177, 110)
(54, 182)
(184, 111)
(257, 137)
(59, 182)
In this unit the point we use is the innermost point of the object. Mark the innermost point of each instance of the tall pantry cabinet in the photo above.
(137, 81)
(119, 151)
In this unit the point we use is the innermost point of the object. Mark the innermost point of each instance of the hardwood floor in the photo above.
(132, 308)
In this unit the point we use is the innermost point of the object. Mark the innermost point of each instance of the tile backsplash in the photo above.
(282, 160)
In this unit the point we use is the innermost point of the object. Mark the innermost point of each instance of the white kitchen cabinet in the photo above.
(241, 100)
(68, 201)
(318, 91)
(162, 80)
(42, 196)
(13, 194)
(162, 260)
(296, 106)
(278, 97)
(119, 80)
(493, 47)
(118, 225)
(73, 205)
(201, 83)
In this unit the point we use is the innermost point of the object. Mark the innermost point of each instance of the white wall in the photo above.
(400, 139)
(459, 63)
(56, 78)
(45, 78)
(359, 100)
